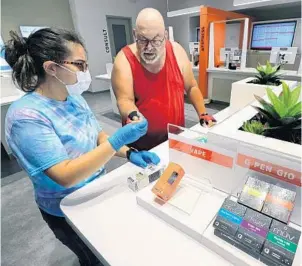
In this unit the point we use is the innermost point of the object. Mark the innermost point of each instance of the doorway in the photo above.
(120, 33)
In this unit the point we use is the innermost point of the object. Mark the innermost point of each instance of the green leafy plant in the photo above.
(267, 75)
(255, 127)
(283, 113)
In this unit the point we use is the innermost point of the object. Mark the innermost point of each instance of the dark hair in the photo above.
(27, 55)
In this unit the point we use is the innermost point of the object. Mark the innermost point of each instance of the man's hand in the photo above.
(207, 120)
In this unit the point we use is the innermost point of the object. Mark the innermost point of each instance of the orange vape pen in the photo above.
(168, 182)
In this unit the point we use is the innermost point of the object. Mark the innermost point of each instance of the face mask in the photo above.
(82, 84)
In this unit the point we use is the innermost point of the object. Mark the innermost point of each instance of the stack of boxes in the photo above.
(257, 223)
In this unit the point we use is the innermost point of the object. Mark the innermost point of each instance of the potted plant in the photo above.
(243, 91)
(273, 130)
(280, 118)
(267, 75)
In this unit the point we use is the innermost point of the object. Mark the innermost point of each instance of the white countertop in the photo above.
(104, 77)
(105, 214)
(10, 99)
(250, 70)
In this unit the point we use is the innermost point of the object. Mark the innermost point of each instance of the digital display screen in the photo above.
(3, 64)
(172, 178)
(276, 34)
(27, 30)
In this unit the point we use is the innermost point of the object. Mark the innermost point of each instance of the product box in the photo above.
(236, 243)
(279, 203)
(145, 177)
(254, 193)
(229, 217)
(281, 244)
(253, 230)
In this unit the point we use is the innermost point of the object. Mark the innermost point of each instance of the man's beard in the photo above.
(150, 57)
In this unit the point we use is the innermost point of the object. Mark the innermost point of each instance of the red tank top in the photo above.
(159, 97)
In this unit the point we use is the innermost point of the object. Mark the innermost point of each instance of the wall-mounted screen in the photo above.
(3, 64)
(273, 34)
(27, 30)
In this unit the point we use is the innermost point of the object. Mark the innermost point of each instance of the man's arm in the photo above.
(122, 84)
(191, 85)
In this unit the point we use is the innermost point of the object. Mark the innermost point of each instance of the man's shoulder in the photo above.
(177, 48)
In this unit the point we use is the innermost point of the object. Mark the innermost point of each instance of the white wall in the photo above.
(16, 13)
(90, 19)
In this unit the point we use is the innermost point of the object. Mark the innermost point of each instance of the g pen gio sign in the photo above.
(106, 41)
(267, 168)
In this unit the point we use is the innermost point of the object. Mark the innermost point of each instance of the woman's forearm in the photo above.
(70, 172)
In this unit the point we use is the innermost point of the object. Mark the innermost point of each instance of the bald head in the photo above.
(149, 19)
(150, 36)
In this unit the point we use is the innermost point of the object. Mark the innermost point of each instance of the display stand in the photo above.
(217, 169)
(196, 202)
(272, 168)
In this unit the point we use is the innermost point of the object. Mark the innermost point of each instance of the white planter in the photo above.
(229, 128)
(243, 93)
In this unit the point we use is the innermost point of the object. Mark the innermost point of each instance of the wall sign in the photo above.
(202, 38)
(106, 41)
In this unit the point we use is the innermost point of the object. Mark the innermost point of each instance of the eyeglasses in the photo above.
(154, 43)
(82, 66)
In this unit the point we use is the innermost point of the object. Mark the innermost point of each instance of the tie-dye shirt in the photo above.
(43, 132)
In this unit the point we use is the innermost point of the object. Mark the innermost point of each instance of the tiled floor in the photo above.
(26, 240)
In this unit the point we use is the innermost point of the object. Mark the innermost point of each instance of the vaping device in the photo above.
(168, 182)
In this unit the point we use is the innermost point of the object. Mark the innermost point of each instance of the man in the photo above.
(149, 77)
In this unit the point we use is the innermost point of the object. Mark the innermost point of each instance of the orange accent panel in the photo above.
(208, 15)
(283, 173)
(201, 153)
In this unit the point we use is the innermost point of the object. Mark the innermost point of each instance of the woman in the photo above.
(52, 131)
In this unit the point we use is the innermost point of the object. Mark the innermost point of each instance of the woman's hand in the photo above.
(128, 134)
(143, 158)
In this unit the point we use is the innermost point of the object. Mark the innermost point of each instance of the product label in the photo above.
(201, 153)
(254, 192)
(284, 203)
(230, 216)
(280, 241)
(285, 174)
(251, 227)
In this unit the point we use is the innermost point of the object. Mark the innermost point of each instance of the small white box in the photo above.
(145, 177)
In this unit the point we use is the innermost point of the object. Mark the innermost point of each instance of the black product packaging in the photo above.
(229, 217)
(253, 230)
(281, 244)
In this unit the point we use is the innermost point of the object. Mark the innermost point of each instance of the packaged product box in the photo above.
(279, 203)
(280, 245)
(253, 230)
(229, 217)
(145, 177)
(254, 193)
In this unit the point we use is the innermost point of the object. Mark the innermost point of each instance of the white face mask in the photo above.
(82, 84)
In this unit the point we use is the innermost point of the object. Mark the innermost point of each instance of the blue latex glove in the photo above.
(143, 158)
(128, 134)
